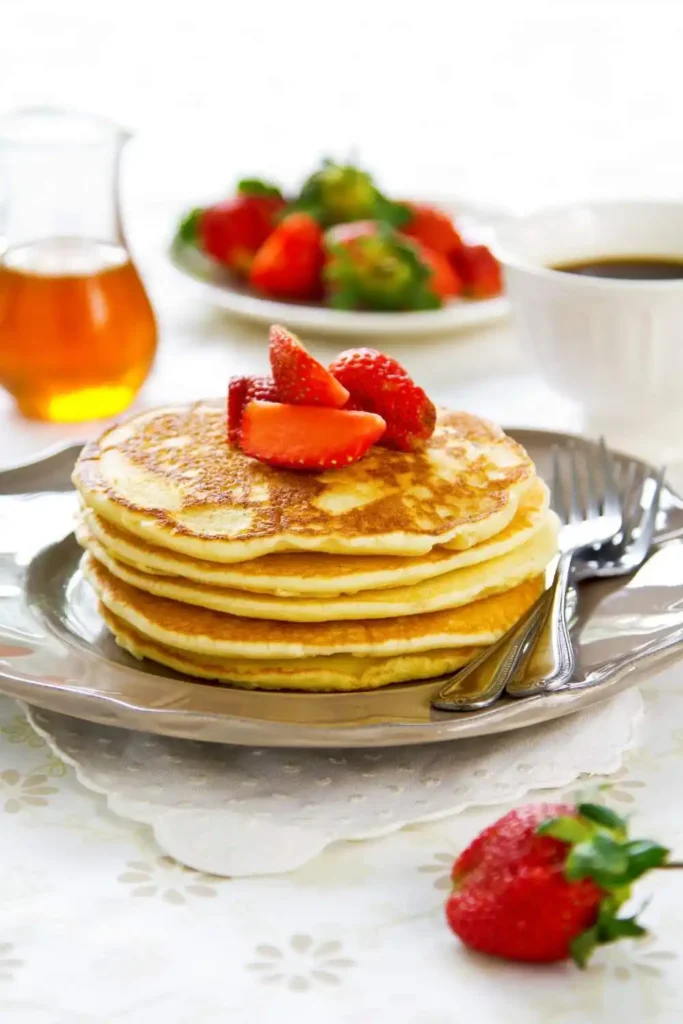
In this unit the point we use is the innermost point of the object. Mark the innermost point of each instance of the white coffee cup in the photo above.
(613, 345)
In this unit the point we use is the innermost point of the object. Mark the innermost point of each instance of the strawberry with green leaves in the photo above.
(549, 881)
(369, 265)
(341, 193)
(232, 231)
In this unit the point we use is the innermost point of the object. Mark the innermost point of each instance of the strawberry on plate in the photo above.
(546, 882)
(307, 437)
(340, 193)
(432, 227)
(301, 379)
(232, 231)
(289, 263)
(444, 281)
(241, 391)
(479, 271)
(369, 265)
(379, 384)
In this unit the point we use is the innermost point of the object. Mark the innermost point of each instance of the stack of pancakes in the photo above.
(399, 567)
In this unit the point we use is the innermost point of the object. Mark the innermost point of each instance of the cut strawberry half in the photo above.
(307, 437)
(378, 383)
(301, 379)
(241, 391)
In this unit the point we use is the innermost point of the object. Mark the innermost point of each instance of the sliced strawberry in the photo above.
(378, 383)
(307, 437)
(301, 379)
(241, 391)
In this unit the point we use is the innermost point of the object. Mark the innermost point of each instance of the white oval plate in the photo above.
(216, 285)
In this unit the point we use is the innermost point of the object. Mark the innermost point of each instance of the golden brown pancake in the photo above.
(170, 477)
(338, 672)
(460, 587)
(204, 631)
(310, 573)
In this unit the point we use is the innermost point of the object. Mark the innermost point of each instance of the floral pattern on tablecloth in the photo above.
(97, 925)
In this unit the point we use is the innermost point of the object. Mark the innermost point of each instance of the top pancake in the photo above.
(170, 477)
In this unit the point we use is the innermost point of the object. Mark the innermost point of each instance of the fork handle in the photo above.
(552, 663)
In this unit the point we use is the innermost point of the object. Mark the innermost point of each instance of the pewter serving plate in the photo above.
(55, 652)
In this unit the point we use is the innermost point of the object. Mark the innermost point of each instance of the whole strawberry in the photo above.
(478, 270)
(379, 384)
(433, 228)
(289, 264)
(339, 193)
(369, 265)
(232, 231)
(546, 882)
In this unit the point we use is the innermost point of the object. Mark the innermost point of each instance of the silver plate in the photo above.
(56, 654)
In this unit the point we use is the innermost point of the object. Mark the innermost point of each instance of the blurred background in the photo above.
(510, 105)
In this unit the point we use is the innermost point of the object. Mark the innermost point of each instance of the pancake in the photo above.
(307, 572)
(454, 589)
(204, 631)
(339, 672)
(170, 477)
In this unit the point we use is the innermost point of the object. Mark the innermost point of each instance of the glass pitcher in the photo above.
(77, 331)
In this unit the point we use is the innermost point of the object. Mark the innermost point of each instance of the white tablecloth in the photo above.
(512, 104)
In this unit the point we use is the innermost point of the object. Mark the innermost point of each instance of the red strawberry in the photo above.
(444, 281)
(231, 232)
(289, 263)
(369, 265)
(379, 384)
(546, 882)
(479, 271)
(301, 379)
(306, 436)
(432, 227)
(241, 391)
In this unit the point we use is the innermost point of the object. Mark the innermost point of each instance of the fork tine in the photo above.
(637, 475)
(576, 514)
(611, 504)
(591, 490)
(641, 545)
(557, 488)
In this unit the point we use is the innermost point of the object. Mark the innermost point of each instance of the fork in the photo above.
(627, 552)
(590, 516)
(589, 519)
(617, 557)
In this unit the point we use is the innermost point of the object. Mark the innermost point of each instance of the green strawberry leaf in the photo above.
(188, 228)
(390, 212)
(583, 946)
(614, 928)
(257, 187)
(602, 816)
(601, 858)
(644, 855)
(566, 829)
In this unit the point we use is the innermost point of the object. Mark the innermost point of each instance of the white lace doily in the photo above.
(242, 811)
